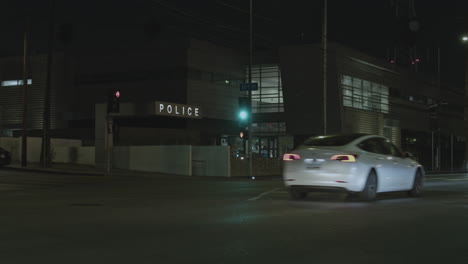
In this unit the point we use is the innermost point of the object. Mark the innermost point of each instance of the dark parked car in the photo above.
(5, 157)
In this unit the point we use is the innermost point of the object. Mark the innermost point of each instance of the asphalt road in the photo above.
(102, 219)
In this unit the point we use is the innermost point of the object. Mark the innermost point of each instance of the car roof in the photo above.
(356, 137)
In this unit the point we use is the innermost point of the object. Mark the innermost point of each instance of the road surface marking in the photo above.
(262, 194)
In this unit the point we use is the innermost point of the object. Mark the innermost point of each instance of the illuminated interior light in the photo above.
(15, 82)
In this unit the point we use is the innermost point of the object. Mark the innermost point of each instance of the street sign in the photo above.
(248, 87)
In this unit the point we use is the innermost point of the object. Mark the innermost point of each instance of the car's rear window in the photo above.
(332, 140)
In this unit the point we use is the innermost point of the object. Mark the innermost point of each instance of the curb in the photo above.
(55, 171)
(136, 173)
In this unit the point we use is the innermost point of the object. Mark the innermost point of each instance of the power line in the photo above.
(211, 24)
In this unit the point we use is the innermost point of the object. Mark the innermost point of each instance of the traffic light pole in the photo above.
(324, 47)
(109, 142)
(24, 139)
(45, 148)
(249, 143)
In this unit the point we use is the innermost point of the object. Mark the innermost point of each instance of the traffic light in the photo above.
(244, 113)
(243, 133)
(113, 101)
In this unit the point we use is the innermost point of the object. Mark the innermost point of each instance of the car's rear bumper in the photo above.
(348, 182)
(308, 188)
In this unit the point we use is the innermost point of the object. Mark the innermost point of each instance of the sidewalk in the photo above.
(62, 168)
(91, 170)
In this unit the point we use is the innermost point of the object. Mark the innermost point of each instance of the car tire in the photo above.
(416, 191)
(296, 194)
(370, 189)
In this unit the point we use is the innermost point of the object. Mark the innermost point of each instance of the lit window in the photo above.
(269, 96)
(363, 94)
(15, 82)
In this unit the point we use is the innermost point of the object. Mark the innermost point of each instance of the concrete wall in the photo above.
(164, 159)
(173, 159)
(74, 155)
(176, 159)
(14, 146)
(121, 157)
(211, 161)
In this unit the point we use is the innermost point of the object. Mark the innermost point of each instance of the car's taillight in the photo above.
(345, 157)
(289, 156)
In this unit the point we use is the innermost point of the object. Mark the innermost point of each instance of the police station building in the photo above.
(182, 91)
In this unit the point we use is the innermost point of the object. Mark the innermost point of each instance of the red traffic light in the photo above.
(244, 134)
(117, 94)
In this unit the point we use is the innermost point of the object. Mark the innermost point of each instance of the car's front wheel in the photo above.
(370, 189)
(297, 194)
(416, 191)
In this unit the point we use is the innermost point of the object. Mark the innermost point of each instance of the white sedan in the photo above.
(353, 163)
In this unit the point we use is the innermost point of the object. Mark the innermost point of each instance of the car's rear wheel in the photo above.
(297, 194)
(416, 191)
(370, 190)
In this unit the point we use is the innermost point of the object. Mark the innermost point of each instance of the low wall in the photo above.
(171, 159)
(165, 159)
(74, 155)
(174, 159)
(261, 167)
(211, 161)
(14, 146)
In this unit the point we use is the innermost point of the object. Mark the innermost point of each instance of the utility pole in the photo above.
(324, 47)
(249, 144)
(24, 141)
(45, 153)
(109, 141)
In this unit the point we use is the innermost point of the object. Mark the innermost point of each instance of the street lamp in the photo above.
(464, 38)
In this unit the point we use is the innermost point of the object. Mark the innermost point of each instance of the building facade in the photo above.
(363, 95)
(12, 93)
(367, 95)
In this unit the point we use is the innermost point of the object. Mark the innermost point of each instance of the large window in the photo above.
(366, 95)
(269, 96)
(15, 82)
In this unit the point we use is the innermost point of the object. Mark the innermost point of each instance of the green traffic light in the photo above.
(243, 115)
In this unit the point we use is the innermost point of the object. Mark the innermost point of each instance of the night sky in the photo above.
(368, 25)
